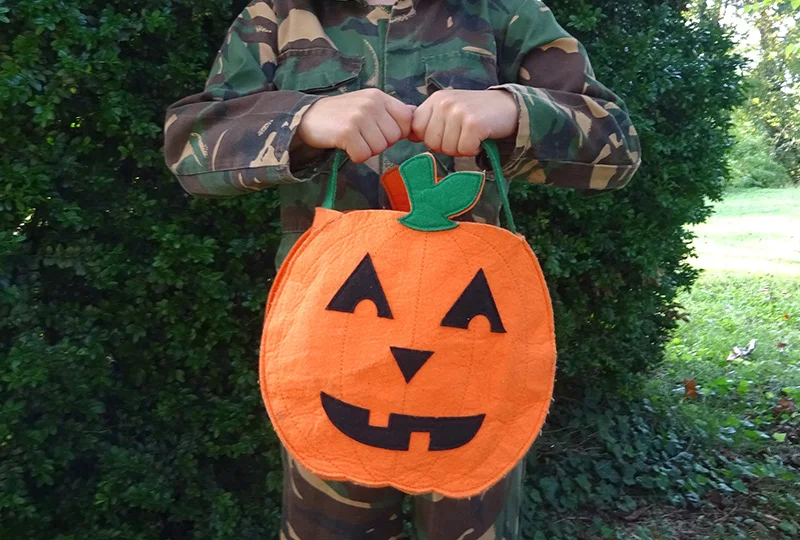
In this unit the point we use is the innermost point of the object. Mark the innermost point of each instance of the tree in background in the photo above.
(774, 84)
(771, 111)
(753, 162)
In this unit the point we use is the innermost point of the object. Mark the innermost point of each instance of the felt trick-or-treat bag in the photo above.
(407, 349)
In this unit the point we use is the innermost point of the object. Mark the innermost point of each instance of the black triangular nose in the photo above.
(409, 360)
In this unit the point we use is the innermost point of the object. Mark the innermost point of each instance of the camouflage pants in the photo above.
(316, 509)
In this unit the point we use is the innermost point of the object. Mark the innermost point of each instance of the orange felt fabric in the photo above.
(307, 350)
(395, 189)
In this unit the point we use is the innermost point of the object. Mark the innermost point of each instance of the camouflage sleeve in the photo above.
(573, 131)
(234, 136)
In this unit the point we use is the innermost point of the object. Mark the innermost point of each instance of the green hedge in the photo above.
(130, 313)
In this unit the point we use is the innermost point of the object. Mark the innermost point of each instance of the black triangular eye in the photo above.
(363, 284)
(476, 300)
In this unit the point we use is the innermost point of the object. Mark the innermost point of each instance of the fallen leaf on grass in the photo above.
(787, 316)
(690, 386)
(739, 352)
(781, 346)
(785, 405)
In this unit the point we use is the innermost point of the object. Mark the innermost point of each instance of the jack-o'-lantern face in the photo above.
(419, 359)
(446, 432)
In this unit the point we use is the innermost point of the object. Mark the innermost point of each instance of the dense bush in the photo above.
(130, 313)
(753, 162)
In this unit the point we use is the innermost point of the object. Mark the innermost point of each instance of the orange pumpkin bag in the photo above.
(407, 349)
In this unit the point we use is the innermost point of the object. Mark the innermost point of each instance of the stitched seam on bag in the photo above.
(472, 356)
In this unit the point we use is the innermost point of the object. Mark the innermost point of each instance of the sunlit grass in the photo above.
(750, 250)
(754, 231)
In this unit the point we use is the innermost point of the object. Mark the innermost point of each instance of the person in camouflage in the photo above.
(296, 79)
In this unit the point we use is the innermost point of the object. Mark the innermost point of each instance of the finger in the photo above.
(357, 149)
(402, 114)
(434, 131)
(469, 143)
(373, 136)
(391, 131)
(419, 124)
(452, 134)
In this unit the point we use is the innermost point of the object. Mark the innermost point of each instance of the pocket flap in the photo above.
(316, 70)
(463, 70)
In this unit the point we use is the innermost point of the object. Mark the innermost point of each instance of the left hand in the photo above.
(456, 122)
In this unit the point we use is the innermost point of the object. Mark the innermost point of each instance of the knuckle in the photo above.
(470, 123)
(357, 117)
(447, 103)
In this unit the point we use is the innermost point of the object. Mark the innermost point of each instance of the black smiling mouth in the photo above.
(446, 432)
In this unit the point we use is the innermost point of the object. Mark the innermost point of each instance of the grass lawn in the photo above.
(750, 289)
(755, 231)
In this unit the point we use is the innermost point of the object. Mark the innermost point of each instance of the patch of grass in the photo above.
(752, 230)
(735, 301)
(754, 397)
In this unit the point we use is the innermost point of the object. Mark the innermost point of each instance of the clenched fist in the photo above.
(455, 122)
(362, 123)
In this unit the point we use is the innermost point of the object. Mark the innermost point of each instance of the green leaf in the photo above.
(433, 203)
(739, 486)
(780, 437)
(583, 481)
(743, 388)
(549, 486)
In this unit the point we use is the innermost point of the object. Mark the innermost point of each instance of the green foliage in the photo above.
(129, 317)
(615, 261)
(601, 463)
(752, 159)
(773, 82)
(130, 313)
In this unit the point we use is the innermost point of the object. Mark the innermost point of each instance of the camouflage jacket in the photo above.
(280, 56)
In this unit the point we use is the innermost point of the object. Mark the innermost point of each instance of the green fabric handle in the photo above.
(494, 158)
(330, 190)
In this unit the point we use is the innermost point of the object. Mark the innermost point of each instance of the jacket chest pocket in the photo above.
(460, 70)
(318, 71)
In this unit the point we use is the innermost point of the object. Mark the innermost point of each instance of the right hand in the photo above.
(363, 123)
